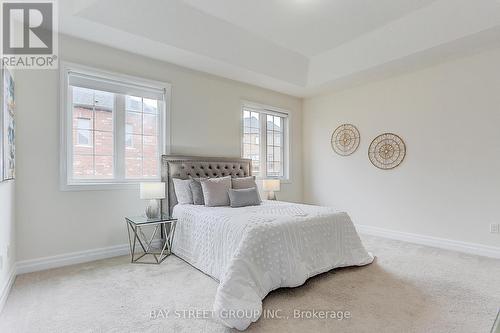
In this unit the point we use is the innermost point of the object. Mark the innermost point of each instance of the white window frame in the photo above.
(66, 127)
(275, 111)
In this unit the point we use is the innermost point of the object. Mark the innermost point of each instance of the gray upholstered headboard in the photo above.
(184, 167)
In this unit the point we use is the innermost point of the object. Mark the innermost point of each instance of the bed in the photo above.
(254, 250)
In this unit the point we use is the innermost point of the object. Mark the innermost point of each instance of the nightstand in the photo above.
(137, 238)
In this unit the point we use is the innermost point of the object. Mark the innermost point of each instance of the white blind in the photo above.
(115, 86)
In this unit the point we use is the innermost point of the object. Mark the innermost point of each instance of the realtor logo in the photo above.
(29, 34)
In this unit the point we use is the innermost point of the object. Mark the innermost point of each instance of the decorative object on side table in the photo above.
(345, 139)
(137, 237)
(153, 192)
(271, 186)
(387, 151)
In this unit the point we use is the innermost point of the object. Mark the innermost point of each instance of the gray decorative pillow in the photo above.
(215, 191)
(183, 191)
(243, 182)
(244, 197)
(197, 191)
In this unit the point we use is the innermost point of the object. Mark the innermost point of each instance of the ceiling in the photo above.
(308, 27)
(299, 47)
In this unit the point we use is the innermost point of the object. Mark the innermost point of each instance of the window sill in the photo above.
(282, 180)
(100, 186)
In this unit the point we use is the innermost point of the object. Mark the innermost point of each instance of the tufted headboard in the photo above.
(184, 167)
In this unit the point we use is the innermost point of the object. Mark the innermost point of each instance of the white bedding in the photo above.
(254, 250)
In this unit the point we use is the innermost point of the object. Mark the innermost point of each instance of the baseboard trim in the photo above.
(7, 287)
(40, 264)
(443, 243)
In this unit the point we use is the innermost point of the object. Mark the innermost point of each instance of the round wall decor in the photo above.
(387, 151)
(345, 139)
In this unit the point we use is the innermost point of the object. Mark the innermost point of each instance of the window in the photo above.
(265, 140)
(83, 137)
(129, 137)
(113, 128)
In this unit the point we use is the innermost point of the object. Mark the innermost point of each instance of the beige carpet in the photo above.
(409, 288)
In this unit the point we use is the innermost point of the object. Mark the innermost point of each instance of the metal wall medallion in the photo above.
(345, 139)
(387, 151)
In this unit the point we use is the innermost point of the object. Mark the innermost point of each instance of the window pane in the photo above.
(150, 148)
(278, 121)
(277, 154)
(84, 123)
(92, 133)
(83, 96)
(277, 139)
(83, 166)
(251, 139)
(150, 106)
(104, 120)
(135, 149)
(133, 167)
(103, 143)
(133, 103)
(246, 150)
(150, 168)
(104, 167)
(83, 118)
(150, 124)
(269, 120)
(142, 138)
(135, 121)
(270, 138)
(82, 140)
(104, 100)
(129, 138)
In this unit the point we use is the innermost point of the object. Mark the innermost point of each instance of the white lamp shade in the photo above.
(271, 185)
(152, 190)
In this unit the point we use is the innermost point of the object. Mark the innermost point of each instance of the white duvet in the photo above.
(254, 250)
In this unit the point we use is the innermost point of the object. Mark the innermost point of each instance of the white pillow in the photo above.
(183, 191)
(215, 191)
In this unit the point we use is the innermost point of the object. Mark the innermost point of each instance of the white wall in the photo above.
(205, 121)
(449, 184)
(7, 236)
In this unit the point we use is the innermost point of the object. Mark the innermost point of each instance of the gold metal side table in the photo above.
(163, 225)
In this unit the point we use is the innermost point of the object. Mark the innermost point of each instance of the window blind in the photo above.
(118, 87)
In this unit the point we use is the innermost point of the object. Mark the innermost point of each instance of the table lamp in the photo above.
(271, 186)
(152, 192)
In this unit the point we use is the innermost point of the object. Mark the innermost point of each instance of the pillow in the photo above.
(243, 182)
(183, 191)
(244, 197)
(197, 191)
(215, 191)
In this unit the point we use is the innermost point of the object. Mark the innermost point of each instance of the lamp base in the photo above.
(271, 195)
(153, 209)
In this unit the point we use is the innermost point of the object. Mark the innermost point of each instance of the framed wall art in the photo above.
(345, 139)
(8, 132)
(387, 151)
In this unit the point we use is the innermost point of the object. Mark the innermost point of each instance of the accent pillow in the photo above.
(215, 191)
(244, 197)
(197, 191)
(183, 191)
(243, 182)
